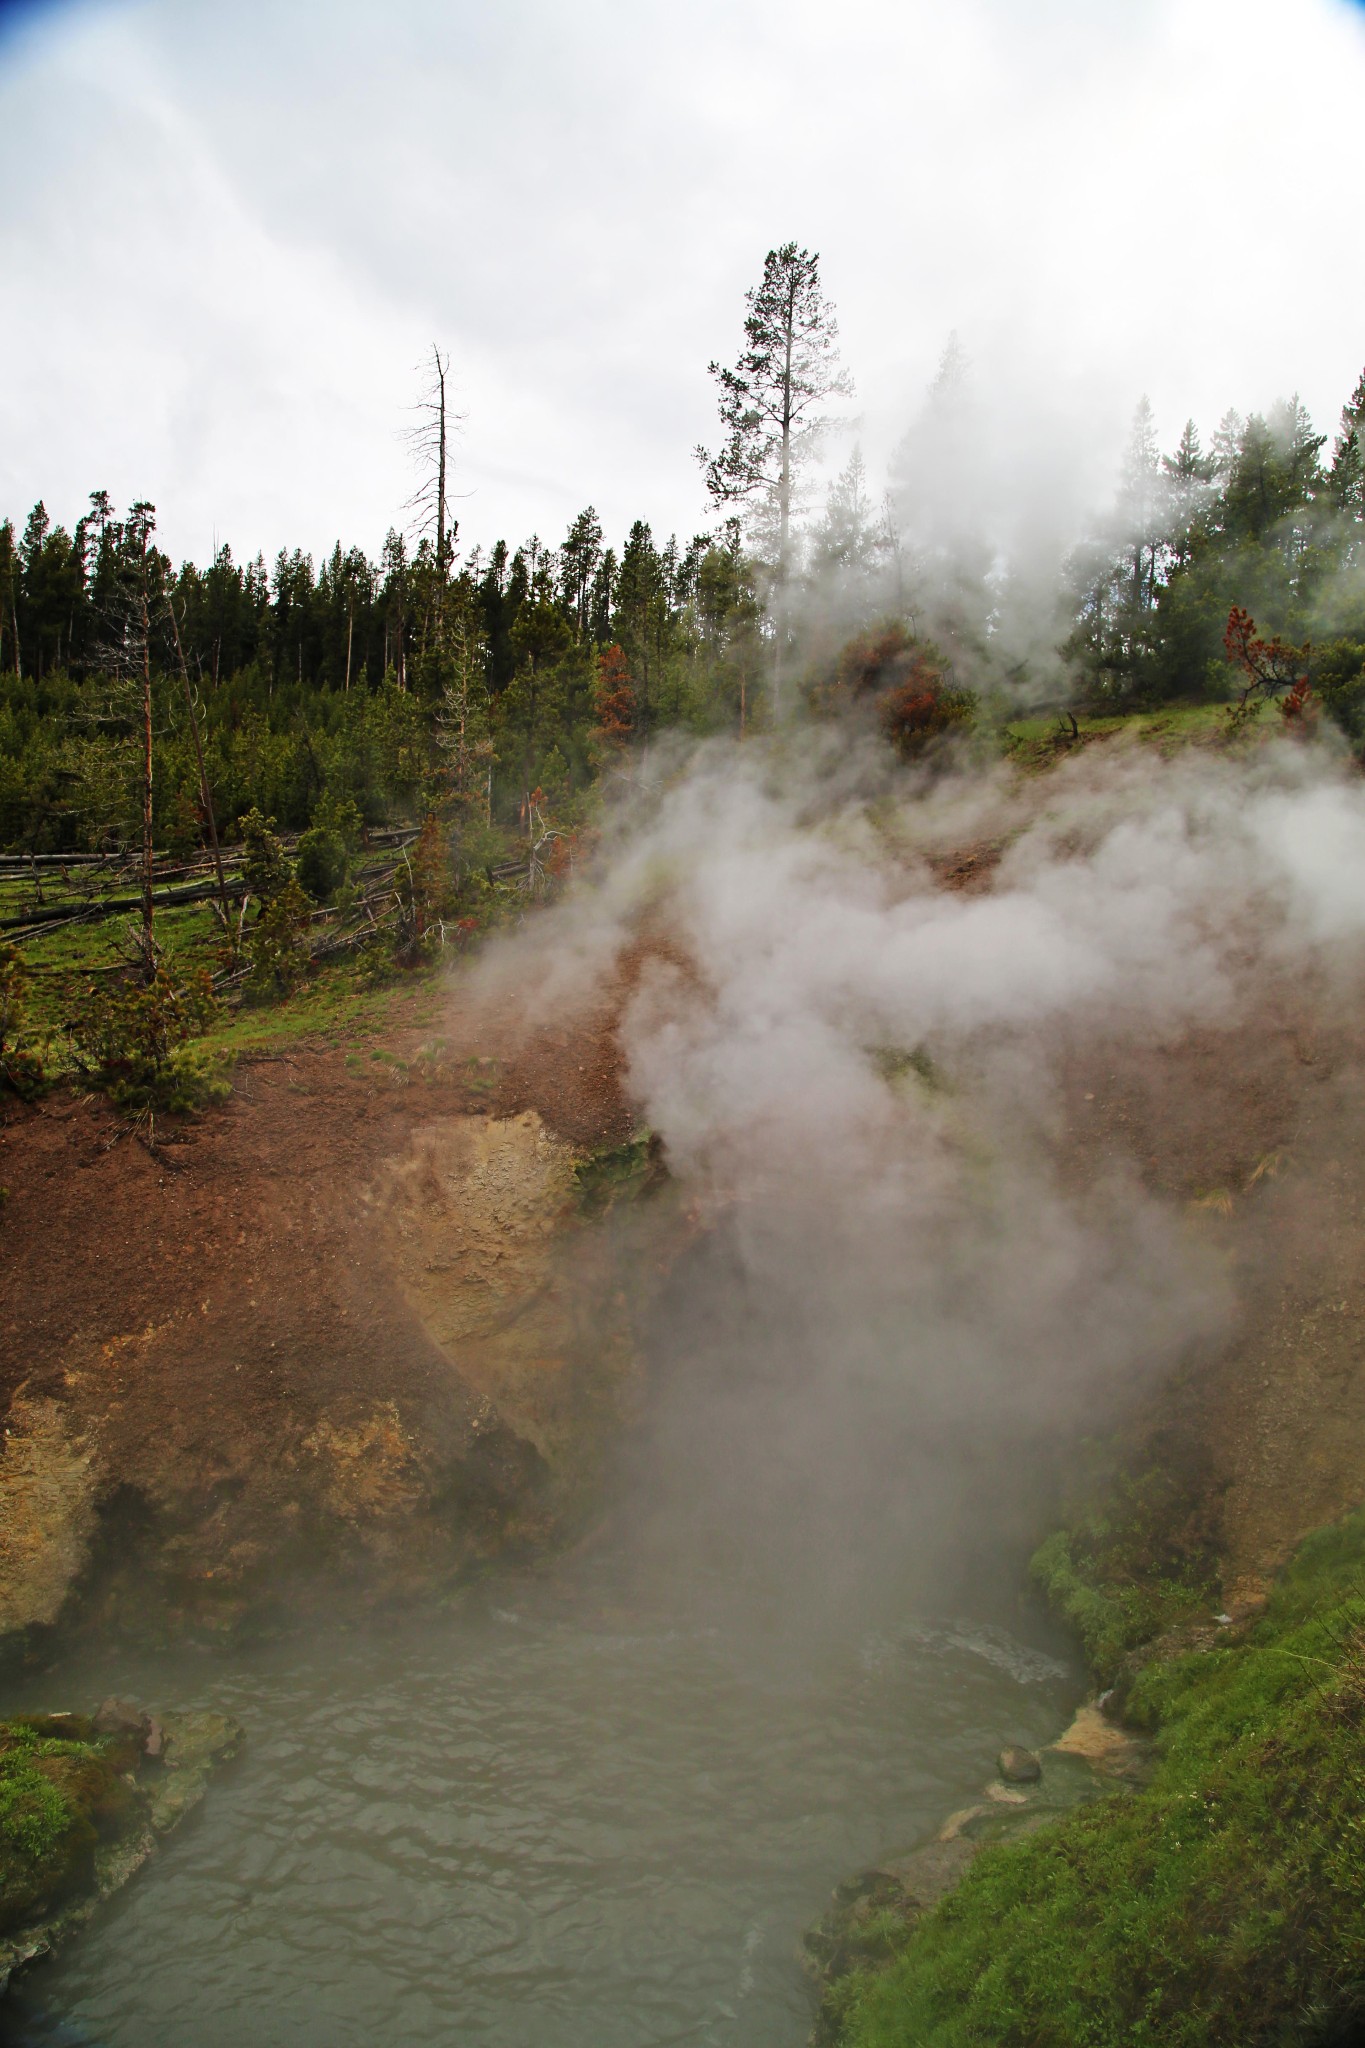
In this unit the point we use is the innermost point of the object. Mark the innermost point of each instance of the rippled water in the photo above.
(564, 1815)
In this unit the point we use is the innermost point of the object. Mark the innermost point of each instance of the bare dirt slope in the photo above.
(362, 1318)
(344, 1318)
(1257, 1134)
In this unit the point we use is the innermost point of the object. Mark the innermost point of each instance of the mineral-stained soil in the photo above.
(362, 1317)
(355, 1315)
(1257, 1133)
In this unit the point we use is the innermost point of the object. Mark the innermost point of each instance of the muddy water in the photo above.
(565, 1813)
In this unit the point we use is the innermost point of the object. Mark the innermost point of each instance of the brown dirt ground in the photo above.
(1256, 1134)
(221, 1336)
(219, 1322)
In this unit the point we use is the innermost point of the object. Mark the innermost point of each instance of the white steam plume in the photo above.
(911, 1285)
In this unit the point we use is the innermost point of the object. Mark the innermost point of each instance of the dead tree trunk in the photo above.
(148, 904)
(205, 793)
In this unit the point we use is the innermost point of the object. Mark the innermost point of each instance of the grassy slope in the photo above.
(1033, 743)
(339, 999)
(1222, 1904)
(60, 962)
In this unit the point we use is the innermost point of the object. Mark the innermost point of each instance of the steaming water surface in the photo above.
(546, 1818)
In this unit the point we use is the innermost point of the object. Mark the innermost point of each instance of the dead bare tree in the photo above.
(205, 793)
(429, 441)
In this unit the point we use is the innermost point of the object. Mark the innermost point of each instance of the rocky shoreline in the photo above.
(871, 1914)
(84, 1802)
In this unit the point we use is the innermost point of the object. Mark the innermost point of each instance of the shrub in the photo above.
(339, 814)
(265, 864)
(322, 862)
(1139, 1561)
(426, 893)
(277, 945)
(21, 1066)
(130, 1039)
(1339, 678)
(922, 709)
(916, 702)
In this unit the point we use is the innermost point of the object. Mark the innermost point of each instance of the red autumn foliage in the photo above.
(913, 715)
(614, 698)
(889, 656)
(560, 855)
(1299, 708)
(915, 702)
(1270, 666)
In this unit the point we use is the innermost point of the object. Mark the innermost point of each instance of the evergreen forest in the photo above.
(275, 764)
(507, 678)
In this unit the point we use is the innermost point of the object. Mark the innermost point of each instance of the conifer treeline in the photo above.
(346, 679)
(396, 683)
(1259, 520)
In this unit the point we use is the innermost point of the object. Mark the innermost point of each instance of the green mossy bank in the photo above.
(83, 1802)
(63, 1790)
(1223, 1903)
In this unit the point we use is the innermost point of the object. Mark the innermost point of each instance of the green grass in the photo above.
(1113, 1615)
(340, 1003)
(33, 1813)
(1040, 742)
(352, 998)
(1137, 1554)
(1223, 1904)
(335, 1006)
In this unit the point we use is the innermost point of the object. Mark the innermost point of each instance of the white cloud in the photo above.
(230, 233)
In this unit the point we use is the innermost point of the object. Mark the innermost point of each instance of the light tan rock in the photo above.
(47, 1512)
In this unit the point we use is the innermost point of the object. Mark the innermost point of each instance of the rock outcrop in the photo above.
(83, 1803)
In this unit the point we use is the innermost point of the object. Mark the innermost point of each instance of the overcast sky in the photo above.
(230, 232)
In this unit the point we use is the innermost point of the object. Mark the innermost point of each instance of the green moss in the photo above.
(1135, 1561)
(33, 1813)
(62, 1791)
(894, 1063)
(619, 1173)
(1223, 1904)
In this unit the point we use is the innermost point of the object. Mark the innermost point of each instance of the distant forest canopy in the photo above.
(350, 679)
(508, 677)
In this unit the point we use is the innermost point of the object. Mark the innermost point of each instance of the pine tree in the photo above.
(1119, 574)
(9, 595)
(1142, 509)
(578, 564)
(850, 537)
(641, 621)
(462, 719)
(429, 440)
(771, 407)
(395, 600)
(1346, 477)
(135, 600)
(1189, 481)
(937, 520)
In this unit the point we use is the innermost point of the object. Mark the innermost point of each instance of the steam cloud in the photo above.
(910, 1286)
